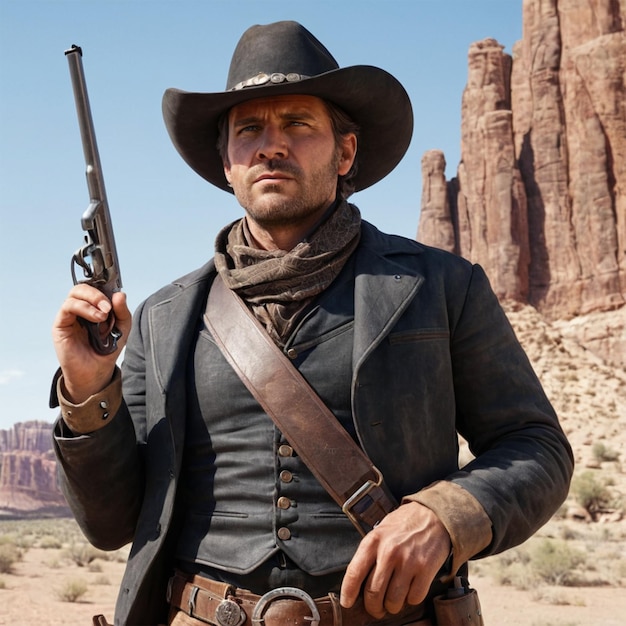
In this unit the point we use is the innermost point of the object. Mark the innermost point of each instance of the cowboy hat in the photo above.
(285, 58)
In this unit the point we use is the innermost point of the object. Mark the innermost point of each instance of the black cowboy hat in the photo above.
(285, 58)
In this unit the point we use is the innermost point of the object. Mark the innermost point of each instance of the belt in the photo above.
(220, 604)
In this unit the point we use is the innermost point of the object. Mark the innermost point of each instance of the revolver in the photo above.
(98, 256)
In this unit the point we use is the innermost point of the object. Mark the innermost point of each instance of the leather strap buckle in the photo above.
(191, 604)
(357, 496)
(285, 592)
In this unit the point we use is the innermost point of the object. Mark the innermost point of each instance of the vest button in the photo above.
(284, 534)
(285, 450)
(286, 476)
(283, 502)
(292, 353)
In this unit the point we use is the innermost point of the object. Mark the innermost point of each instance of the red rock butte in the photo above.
(539, 199)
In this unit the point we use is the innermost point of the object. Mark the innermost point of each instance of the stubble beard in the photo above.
(274, 209)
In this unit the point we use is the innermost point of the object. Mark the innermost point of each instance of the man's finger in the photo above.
(375, 591)
(356, 573)
(396, 594)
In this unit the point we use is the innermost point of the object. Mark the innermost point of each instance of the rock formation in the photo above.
(28, 482)
(540, 194)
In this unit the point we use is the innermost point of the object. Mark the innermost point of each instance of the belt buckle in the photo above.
(227, 613)
(285, 592)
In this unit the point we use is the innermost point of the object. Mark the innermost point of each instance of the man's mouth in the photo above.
(272, 177)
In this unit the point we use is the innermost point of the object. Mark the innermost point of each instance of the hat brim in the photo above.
(372, 97)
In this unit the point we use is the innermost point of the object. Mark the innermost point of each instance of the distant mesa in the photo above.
(28, 479)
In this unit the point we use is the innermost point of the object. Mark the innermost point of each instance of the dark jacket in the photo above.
(433, 354)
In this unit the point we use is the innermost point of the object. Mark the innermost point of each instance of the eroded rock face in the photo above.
(436, 225)
(28, 480)
(572, 62)
(540, 194)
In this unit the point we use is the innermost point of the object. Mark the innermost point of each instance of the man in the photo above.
(406, 345)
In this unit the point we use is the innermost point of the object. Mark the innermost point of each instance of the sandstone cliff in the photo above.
(28, 483)
(540, 194)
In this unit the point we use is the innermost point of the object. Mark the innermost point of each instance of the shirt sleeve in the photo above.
(462, 515)
(95, 412)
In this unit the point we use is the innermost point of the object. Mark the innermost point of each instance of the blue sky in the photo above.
(165, 217)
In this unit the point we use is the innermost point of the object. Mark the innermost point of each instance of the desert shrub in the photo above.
(552, 596)
(512, 568)
(602, 453)
(119, 556)
(102, 580)
(555, 562)
(590, 493)
(9, 538)
(95, 566)
(72, 590)
(518, 555)
(66, 530)
(82, 553)
(9, 555)
(568, 533)
(49, 542)
(515, 574)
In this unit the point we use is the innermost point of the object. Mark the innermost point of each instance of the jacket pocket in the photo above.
(419, 334)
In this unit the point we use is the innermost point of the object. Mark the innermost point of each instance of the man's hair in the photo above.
(342, 124)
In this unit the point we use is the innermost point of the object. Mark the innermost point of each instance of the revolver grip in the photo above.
(102, 342)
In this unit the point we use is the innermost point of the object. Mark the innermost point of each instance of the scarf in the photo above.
(278, 285)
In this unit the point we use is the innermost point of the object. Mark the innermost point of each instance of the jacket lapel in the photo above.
(173, 327)
(384, 287)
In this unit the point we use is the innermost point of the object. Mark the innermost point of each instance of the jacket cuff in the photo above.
(462, 515)
(95, 412)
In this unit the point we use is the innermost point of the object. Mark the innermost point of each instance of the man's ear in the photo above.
(347, 153)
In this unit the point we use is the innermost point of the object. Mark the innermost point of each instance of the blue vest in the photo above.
(245, 492)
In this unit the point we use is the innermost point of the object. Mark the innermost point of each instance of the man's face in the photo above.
(283, 160)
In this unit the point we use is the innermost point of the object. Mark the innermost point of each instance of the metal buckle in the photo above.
(191, 603)
(358, 495)
(229, 613)
(285, 592)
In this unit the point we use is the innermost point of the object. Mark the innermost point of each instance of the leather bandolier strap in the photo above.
(314, 432)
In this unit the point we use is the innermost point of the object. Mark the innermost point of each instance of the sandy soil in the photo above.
(29, 598)
(30, 594)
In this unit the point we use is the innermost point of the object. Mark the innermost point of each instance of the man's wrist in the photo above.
(462, 515)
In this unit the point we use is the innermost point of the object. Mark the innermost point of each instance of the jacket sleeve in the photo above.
(101, 471)
(523, 463)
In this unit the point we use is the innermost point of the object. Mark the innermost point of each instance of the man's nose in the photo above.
(273, 144)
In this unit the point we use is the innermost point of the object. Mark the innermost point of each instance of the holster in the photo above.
(460, 611)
